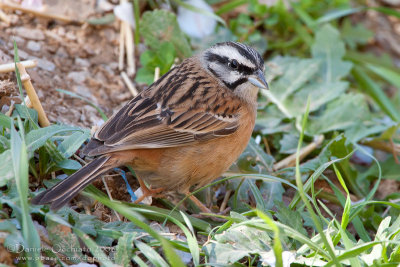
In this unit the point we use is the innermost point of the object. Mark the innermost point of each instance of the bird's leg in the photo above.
(147, 191)
(198, 203)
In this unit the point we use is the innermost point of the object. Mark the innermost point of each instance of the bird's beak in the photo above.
(258, 79)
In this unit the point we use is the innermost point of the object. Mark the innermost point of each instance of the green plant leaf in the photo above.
(330, 49)
(64, 241)
(354, 35)
(72, 143)
(69, 164)
(237, 242)
(20, 164)
(290, 217)
(319, 77)
(6, 170)
(160, 26)
(343, 113)
(5, 121)
(37, 138)
(124, 249)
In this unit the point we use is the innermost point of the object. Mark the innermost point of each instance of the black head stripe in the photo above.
(245, 51)
(211, 57)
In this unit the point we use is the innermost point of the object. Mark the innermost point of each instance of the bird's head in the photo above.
(238, 66)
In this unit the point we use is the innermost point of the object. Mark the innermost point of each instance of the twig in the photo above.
(8, 5)
(130, 57)
(265, 141)
(5, 18)
(79, 159)
(156, 73)
(11, 67)
(291, 160)
(10, 111)
(225, 201)
(384, 146)
(121, 48)
(26, 81)
(129, 83)
(109, 195)
(393, 145)
(28, 102)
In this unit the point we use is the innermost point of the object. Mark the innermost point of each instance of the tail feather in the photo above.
(64, 191)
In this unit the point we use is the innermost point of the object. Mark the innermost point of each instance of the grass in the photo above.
(308, 229)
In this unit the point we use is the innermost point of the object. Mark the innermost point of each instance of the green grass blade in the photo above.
(302, 193)
(130, 214)
(151, 254)
(98, 254)
(229, 6)
(192, 241)
(277, 247)
(21, 165)
(374, 90)
(389, 75)
(387, 10)
(101, 112)
(336, 14)
(155, 213)
(357, 250)
(347, 205)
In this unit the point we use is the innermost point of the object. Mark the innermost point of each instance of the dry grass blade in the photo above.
(11, 67)
(9, 5)
(291, 160)
(26, 81)
(129, 83)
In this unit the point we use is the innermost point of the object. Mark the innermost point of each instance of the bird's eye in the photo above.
(233, 64)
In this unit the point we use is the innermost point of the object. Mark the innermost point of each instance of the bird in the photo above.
(180, 133)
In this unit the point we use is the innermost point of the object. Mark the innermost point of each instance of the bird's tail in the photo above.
(64, 191)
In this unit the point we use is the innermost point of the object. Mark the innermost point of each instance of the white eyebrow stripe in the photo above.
(231, 52)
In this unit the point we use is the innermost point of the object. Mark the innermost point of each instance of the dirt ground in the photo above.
(77, 58)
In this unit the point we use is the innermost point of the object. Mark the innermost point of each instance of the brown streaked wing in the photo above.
(154, 119)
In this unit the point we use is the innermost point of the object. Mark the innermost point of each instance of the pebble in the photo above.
(82, 62)
(77, 76)
(32, 34)
(83, 91)
(34, 46)
(22, 54)
(45, 64)
(62, 52)
(18, 40)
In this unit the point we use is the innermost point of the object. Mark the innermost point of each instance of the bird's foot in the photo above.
(148, 192)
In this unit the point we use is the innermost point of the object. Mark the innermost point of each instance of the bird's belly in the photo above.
(180, 168)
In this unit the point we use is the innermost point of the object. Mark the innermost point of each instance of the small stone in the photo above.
(34, 46)
(22, 54)
(61, 52)
(54, 36)
(113, 65)
(77, 76)
(82, 62)
(18, 40)
(83, 91)
(45, 64)
(71, 36)
(32, 34)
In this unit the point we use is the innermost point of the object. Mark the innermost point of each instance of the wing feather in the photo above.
(151, 120)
